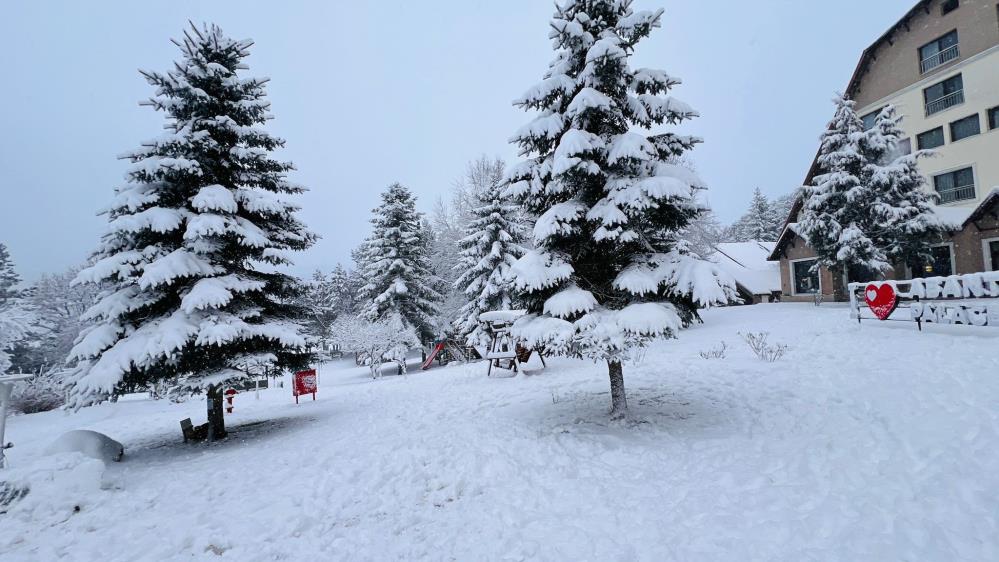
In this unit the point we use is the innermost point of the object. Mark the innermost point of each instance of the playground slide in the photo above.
(430, 360)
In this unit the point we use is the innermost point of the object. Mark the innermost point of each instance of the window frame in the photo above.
(953, 263)
(974, 179)
(927, 102)
(794, 285)
(992, 114)
(943, 138)
(948, 6)
(987, 255)
(978, 121)
(875, 114)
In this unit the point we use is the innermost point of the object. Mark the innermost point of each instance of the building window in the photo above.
(943, 95)
(964, 128)
(930, 139)
(955, 186)
(870, 119)
(940, 264)
(994, 118)
(806, 281)
(939, 51)
(949, 6)
(991, 247)
(903, 148)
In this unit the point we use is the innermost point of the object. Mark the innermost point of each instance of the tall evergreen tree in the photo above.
(904, 225)
(319, 300)
(16, 318)
(837, 218)
(492, 244)
(869, 208)
(761, 222)
(609, 272)
(195, 238)
(396, 264)
(8, 276)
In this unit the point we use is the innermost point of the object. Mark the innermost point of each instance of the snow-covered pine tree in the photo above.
(345, 286)
(761, 222)
(451, 216)
(396, 264)
(8, 276)
(190, 258)
(905, 225)
(319, 300)
(609, 272)
(16, 319)
(837, 214)
(492, 244)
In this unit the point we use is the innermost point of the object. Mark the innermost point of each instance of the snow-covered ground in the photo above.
(872, 442)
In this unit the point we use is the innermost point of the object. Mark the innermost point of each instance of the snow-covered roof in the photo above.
(953, 217)
(501, 315)
(747, 263)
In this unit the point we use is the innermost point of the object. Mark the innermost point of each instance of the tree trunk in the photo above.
(619, 404)
(216, 419)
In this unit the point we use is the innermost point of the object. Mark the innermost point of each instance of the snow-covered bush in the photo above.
(714, 353)
(39, 394)
(757, 342)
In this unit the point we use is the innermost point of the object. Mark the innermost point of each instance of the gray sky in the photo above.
(367, 93)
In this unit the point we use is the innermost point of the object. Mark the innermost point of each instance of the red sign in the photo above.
(304, 383)
(881, 300)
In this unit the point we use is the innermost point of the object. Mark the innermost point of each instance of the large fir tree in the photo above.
(195, 241)
(396, 264)
(609, 272)
(904, 224)
(868, 208)
(492, 244)
(837, 216)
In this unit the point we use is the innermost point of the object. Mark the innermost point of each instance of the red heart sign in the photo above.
(881, 300)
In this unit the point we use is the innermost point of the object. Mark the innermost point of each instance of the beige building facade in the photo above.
(939, 67)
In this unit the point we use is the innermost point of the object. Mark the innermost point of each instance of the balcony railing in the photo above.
(940, 104)
(943, 57)
(960, 193)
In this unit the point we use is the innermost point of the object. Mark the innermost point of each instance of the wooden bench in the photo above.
(192, 432)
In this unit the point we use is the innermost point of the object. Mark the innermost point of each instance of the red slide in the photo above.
(437, 349)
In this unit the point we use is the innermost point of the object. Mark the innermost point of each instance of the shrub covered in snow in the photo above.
(39, 394)
(757, 342)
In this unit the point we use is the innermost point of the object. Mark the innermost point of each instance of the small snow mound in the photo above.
(52, 488)
(91, 443)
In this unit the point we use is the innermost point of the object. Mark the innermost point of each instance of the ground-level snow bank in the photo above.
(866, 442)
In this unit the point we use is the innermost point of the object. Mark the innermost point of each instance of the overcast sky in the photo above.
(368, 93)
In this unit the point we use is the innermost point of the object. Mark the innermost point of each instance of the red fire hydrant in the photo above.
(229, 395)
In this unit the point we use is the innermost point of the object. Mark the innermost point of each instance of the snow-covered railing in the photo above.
(971, 299)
